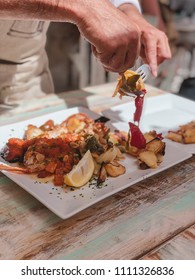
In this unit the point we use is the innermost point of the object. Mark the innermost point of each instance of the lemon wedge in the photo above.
(82, 172)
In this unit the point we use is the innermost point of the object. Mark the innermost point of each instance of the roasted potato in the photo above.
(185, 134)
(156, 146)
(149, 159)
(115, 169)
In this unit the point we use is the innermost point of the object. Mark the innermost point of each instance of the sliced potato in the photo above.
(133, 151)
(188, 125)
(149, 158)
(115, 169)
(185, 134)
(156, 146)
(189, 136)
(108, 156)
(174, 136)
(149, 137)
(160, 158)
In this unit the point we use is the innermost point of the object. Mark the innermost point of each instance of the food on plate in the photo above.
(114, 169)
(152, 155)
(72, 152)
(185, 134)
(149, 147)
(137, 139)
(79, 149)
(131, 81)
(82, 172)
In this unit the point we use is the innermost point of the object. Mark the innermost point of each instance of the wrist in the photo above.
(132, 12)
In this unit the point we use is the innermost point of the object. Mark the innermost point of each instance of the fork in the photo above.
(143, 71)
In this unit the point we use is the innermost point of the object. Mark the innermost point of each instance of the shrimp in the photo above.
(14, 169)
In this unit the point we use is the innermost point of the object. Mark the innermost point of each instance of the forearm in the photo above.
(52, 10)
(115, 39)
(55, 10)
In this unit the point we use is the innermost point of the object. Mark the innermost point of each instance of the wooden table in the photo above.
(154, 219)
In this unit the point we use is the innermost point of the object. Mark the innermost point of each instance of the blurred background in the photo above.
(73, 66)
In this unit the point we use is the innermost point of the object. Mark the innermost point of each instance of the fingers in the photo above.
(163, 49)
(121, 61)
(112, 61)
(150, 49)
(114, 37)
(120, 55)
(155, 48)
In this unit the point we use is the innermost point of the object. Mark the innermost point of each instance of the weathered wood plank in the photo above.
(181, 247)
(123, 226)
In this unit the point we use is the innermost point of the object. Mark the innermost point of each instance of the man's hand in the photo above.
(114, 38)
(154, 43)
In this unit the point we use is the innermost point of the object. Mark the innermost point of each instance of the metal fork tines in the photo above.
(143, 71)
(126, 87)
(132, 93)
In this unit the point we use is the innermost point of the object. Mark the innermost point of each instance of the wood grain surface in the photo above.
(180, 247)
(127, 225)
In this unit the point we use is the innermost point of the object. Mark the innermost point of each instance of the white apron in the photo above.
(24, 71)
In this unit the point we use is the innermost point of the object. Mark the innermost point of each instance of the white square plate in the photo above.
(160, 113)
(63, 201)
